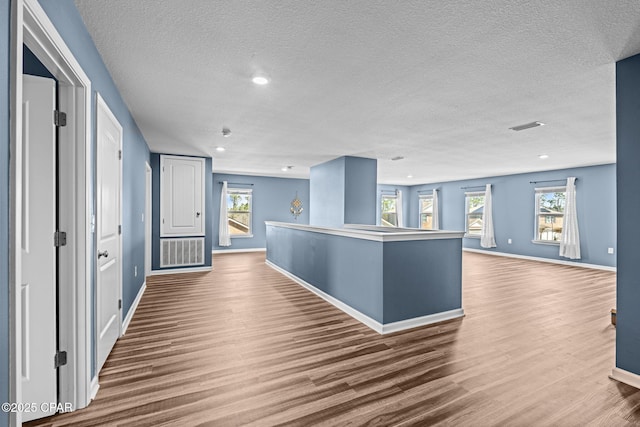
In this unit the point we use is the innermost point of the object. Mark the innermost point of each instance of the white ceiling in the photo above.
(437, 82)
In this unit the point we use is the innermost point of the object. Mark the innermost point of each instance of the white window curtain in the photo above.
(399, 214)
(487, 239)
(435, 220)
(223, 229)
(570, 238)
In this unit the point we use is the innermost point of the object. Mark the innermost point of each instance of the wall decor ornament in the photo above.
(296, 207)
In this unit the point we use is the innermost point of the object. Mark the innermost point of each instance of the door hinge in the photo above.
(59, 118)
(119, 304)
(59, 239)
(119, 154)
(119, 229)
(60, 359)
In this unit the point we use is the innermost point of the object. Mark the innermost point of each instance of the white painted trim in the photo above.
(422, 321)
(15, 211)
(237, 251)
(180, 270)
(363, 318)
(148, 218)
(95, 386)
(625, 377)
(365, 232)
(132, 310)
(32, 27)
(548, 260)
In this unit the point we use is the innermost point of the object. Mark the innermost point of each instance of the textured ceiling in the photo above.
(437, 82)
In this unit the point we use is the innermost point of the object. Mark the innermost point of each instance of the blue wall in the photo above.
(155, 208)
(4, 206)
(326, 192)
(628, 175)
(69, 24)
(514, 206)
(271, 202)
(31, 65)
(361, 177)
(343, 191)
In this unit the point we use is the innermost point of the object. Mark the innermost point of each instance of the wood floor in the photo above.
(243, 345)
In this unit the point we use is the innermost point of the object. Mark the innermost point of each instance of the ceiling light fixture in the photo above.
(527, 126)
(543, 156)
(286, 168)
(219, 149)
(226, 132)
(409, 176)
(260, 80)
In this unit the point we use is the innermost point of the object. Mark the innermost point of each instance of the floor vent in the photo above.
(180, 252)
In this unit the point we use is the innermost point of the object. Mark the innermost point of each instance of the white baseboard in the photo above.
(132, 310)
(95, 386)
(363, 318)
(180, 270)
(549, 260)
(625, 377)
(237, 251)
(422, 321)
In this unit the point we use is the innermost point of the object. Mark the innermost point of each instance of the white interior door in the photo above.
(39, 379)
(108, 232)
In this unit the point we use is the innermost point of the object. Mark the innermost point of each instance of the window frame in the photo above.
(242, 191)
(393, 197)
(422, 197)
(467, 195)
(537, 214)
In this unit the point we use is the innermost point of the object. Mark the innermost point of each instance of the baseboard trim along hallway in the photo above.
(132, 310)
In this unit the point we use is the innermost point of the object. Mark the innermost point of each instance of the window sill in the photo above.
(243, 236)
(472, 236)
(545, 242)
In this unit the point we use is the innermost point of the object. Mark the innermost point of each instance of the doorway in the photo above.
(32, 27)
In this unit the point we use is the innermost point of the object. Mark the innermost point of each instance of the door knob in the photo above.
(197, 214)
(103, 254)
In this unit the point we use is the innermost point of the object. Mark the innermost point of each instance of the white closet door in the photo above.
(182, 196)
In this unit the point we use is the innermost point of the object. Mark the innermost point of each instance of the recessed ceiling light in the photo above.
(220, 149)
(409, 176)
(260, 80)
(527, 126)
(543, 156)
(286, 168)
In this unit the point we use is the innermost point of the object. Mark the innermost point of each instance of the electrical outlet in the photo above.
(509, 241)
(135, 271)
(610, 250)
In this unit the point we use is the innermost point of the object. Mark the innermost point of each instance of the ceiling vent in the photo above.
(527, 126)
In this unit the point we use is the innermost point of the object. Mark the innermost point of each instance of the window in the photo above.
(239, 212)
(550, 204)
(389, 215)
(474, 208)
(425, 203)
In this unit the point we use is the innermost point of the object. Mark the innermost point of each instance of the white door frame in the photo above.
(31, 26)
(147, 220)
